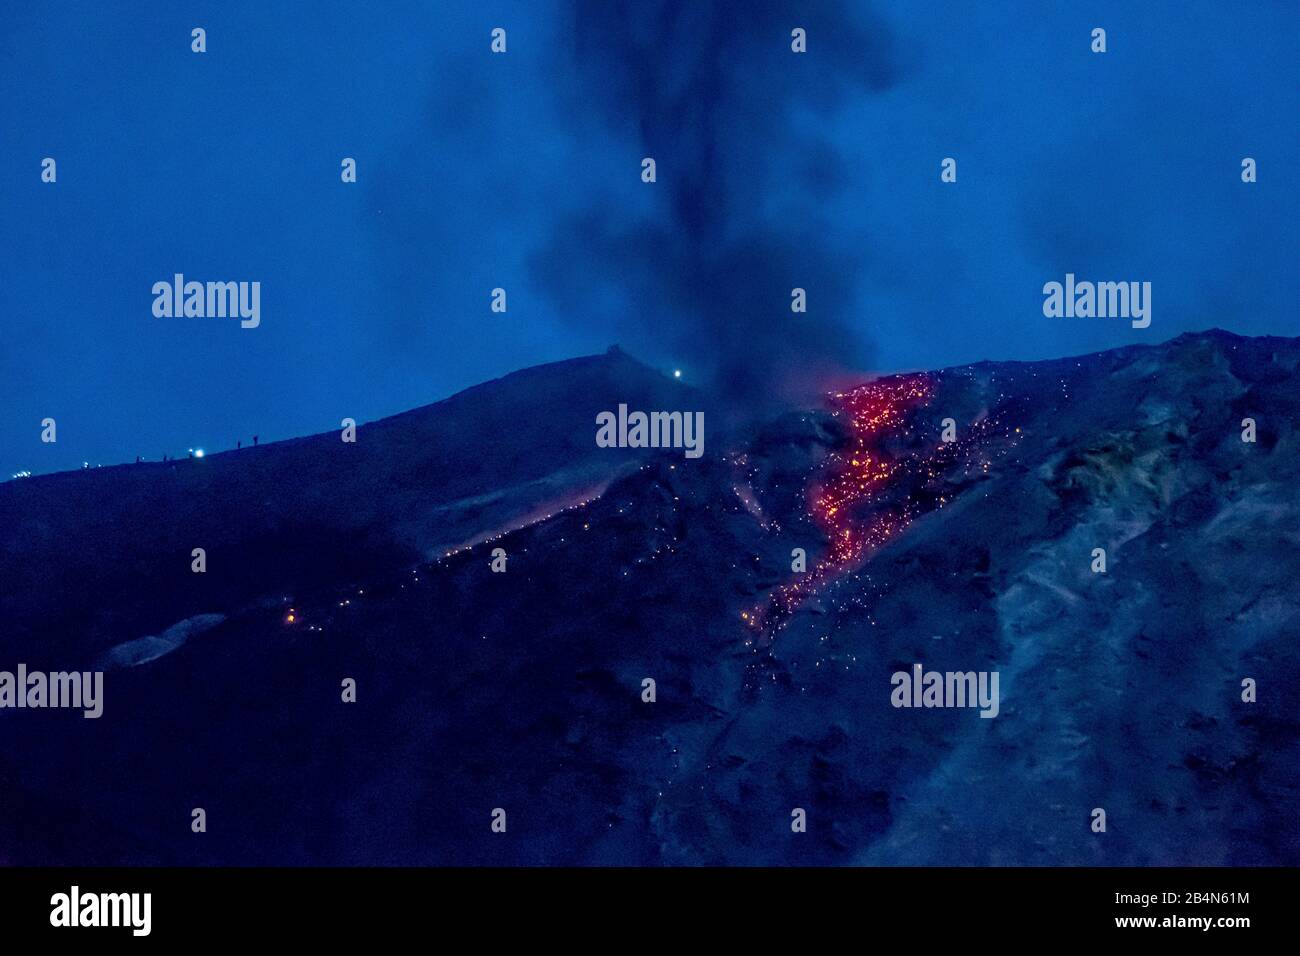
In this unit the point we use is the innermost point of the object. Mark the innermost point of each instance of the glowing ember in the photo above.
(867, 496)
(855, 480)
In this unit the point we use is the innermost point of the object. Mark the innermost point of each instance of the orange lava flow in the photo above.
(841, 503)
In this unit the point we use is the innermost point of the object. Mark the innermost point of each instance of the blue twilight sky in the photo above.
(522, 171)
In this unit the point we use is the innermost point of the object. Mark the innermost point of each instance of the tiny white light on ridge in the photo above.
(198, 453)
(677, 373)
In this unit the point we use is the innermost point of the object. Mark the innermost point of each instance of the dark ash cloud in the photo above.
(701, 268)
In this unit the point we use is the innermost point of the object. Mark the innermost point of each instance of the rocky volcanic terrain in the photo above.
(522, 690)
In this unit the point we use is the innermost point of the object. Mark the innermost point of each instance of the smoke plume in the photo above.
(700, 265)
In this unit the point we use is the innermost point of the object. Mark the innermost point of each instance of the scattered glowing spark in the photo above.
(866, 496)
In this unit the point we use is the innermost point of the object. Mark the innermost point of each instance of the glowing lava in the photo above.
(844, 504)
(867, 495)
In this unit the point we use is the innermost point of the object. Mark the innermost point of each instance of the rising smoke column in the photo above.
(702, 262)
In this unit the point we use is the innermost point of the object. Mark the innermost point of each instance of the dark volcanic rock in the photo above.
(523, 690)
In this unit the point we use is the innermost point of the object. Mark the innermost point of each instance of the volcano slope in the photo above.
(524, 690)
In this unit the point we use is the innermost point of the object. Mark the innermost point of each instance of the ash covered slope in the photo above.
(523, 690)
(91, 558)
(1119, 690)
